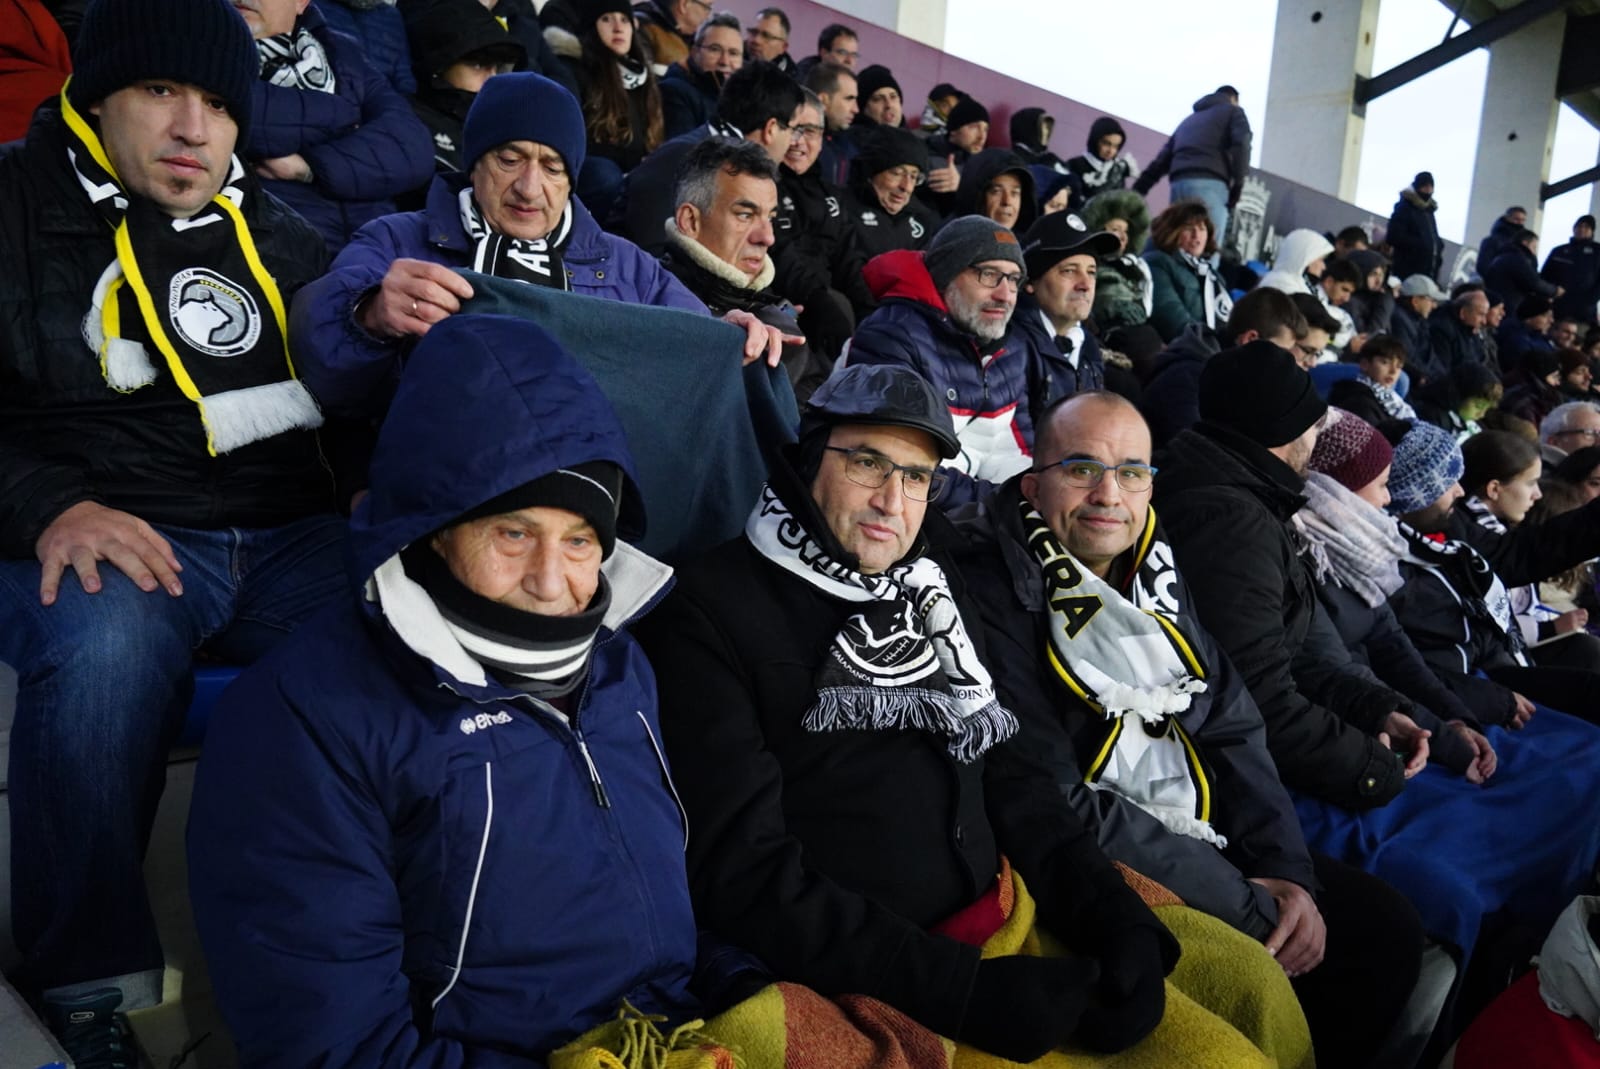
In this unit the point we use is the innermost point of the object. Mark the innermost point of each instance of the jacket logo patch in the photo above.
(212, 314)
(917, 230)
(444, 141)
(871, 219)
(483, 721)
(833, 206)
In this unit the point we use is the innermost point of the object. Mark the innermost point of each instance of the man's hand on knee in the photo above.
(88, 533)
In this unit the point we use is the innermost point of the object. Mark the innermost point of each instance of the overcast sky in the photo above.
(1148, 60)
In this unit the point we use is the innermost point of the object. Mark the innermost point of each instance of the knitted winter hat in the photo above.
(1424, 178)
(971, 239)
(1571, 360)
(1260, 392)
(524, 107)
(1427, 462)
(1350, 450)
(967, 110)
(592, 490)
(591, 10)
(871, 79)
(1533, 305)
(1584, 220)
(195, 42)
(883, 147)
(1538, 363)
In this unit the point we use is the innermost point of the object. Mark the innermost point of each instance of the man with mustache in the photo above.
(946, 314)
(162, 486)
(1153, 737)
(330, 137)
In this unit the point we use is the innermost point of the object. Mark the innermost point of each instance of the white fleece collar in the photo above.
(727, 272)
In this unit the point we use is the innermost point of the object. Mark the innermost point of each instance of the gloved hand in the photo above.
(1023, 1007)
(1130, 998)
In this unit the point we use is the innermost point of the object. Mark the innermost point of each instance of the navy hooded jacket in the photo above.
(395, 860)
(363, 142)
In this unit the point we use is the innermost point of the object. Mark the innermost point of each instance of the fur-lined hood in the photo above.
(563, 43)
(1122, 204)
(1417, 200)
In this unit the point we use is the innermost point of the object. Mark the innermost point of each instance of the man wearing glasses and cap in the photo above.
(946, 314)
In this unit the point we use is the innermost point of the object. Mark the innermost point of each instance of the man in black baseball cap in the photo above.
(840, 752)
(162, 480)
(1062, 255)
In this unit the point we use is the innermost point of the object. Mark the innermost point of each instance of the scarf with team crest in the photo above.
(904, 661)
(1123, 654)
(295, 60)
(219, 327)
(535, 261)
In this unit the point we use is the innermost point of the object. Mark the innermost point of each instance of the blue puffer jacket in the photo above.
(992, 392)
(382, 33)
(353, 372)
(364, 143)
(396, 860)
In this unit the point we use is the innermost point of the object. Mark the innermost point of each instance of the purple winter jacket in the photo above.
(352, 372)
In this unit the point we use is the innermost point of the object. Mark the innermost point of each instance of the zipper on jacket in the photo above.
(601, 799)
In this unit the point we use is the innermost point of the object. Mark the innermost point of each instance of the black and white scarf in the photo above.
(295, 60)
(546, 656)
(538, 262)
(1216, 302)
(1101, 174)
(634, 72)
(905, 661)
(1391, 401)
(1524, 599)
(1471, 580)
(200, 294)
(1123, 654)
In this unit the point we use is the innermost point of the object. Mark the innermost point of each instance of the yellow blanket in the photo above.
(1229, 1006)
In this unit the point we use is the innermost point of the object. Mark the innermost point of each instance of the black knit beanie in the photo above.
(1258, 390)
(966, 111)
(592, 490)
(196, 42)
(873, 78)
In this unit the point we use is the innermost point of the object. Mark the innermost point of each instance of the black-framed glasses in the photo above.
(903, 171)
(1086, 474)
(990, 277)
(866, 468)
(770, 38)
(807, 131)
(1591, 433)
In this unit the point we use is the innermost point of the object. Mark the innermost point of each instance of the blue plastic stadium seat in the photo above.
(209, 682)
(1323, 376)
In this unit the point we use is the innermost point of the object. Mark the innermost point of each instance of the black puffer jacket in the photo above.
(1227, 503)
(1250, 806)
(66, 436)
(812, 250)
(829, 855)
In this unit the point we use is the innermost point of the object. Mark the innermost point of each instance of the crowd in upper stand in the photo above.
(1133, 656)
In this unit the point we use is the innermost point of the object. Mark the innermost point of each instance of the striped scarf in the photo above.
(904, 660)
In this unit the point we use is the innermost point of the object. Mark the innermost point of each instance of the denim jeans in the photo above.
(1213, 193)
(103, 681)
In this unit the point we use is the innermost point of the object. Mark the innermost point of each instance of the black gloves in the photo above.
(1130, 998)
(1024, 1007)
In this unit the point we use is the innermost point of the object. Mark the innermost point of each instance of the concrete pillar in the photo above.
(1594, 198)
(1310, 133)
(920, 20)
(1518, 129)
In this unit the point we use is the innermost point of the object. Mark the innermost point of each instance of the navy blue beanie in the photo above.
(196, 42)
(524, 107)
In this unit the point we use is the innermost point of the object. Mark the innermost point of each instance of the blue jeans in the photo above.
(103, 681)
(1213, 193)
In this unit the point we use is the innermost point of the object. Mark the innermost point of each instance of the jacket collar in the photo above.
(723, 272)
(1217, 456)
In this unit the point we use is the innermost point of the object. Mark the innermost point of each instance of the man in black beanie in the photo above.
(1414, 230)
(1229, 488)
(162, 482)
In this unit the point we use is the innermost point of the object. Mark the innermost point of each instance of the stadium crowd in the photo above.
(1123, 656)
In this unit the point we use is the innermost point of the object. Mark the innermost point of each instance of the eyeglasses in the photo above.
(990, 277)
(770, 38)
(899, 174)
(721, 50)
(701, 3)
(1587, 432)
(1311, 353)
(843, 55)
(1086, 474)
(807, 131)
(865, 468)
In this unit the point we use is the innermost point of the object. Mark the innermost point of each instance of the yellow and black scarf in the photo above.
(197, 290)
(1123, 654)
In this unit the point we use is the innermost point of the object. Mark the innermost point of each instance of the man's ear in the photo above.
(1245, 337)
(687, 217)
(769, 132)
(1030, 488)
